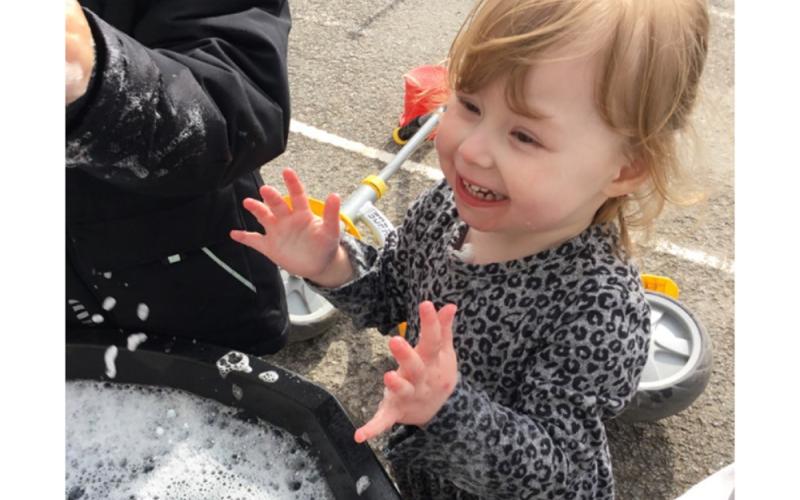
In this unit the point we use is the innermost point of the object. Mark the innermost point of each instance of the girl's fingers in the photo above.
(446, 316)
(330, 215)
(382, 421)
(430, 332)
(248, 238)
(273, 199)
(397, 385)
(297, 192)
(260, 211)
(410, 364)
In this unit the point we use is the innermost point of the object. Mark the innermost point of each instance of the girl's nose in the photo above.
(475, 148)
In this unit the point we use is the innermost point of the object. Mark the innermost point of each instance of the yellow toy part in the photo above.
(660, 284)
(377, 184)
(318, 207)
(396, 137)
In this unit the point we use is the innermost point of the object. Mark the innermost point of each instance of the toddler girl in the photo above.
(527, 324)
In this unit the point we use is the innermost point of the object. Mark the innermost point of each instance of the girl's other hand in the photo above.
(426, 376)
(295, 239)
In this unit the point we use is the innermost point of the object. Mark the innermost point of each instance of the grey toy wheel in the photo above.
(310, 314)
(678, 362)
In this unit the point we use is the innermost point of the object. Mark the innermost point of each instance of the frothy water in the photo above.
(134, 441)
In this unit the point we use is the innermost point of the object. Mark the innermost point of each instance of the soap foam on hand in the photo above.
(125, 441)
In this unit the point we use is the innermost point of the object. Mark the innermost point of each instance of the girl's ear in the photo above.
(628, 179)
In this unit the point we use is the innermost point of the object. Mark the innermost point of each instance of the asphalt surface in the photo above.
(347, 60)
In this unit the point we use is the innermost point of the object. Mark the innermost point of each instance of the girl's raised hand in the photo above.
(425, 378)
(295, 239)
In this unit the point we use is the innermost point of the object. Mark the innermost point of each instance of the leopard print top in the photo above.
(548, 347)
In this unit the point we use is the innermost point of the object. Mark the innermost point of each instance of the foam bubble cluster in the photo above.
(362, 484)
(234, 361)
(110, 357)
(133, 441)
(237, 392)
(135, 339)
(142, 311)
(269, 376)
(109, 303)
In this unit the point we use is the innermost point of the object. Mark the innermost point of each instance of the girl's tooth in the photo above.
(481, 192)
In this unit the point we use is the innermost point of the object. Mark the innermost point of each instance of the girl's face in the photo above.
(540, 180)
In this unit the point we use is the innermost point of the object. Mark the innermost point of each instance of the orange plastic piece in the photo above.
(660, 284)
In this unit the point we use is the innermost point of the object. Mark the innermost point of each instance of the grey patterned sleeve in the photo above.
(380, 293)
(376, 296)
(550, 442)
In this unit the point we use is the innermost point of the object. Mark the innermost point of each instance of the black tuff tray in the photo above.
(291, 402)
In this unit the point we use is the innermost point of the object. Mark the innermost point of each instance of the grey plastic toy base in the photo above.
(310, 315)
(678, 366)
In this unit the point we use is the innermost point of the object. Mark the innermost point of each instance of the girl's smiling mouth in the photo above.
(474, 194)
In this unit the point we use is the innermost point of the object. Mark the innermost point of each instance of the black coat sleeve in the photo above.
(191, 96)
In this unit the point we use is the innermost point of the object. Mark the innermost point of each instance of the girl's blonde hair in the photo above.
(652, 55)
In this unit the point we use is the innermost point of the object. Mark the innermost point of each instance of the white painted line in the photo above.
(695, 256)
(435, 174)
(720, 13)
(362, 149)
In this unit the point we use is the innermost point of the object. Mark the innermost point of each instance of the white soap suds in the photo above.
(269, 376)
(142, 311)
(135, 339)
(110, 359)
(362, 484)
(237, 392)
(109, 303)
(234, 361)
(115, 451)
